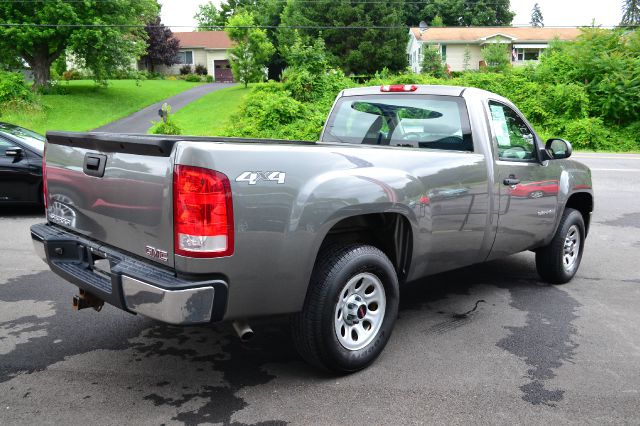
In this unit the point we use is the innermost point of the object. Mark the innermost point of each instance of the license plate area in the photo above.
(100, 264)
(84, 263)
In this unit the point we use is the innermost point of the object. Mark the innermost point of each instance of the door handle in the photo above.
(511, 180)
(94, 164)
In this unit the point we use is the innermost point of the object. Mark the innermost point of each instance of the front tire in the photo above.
(350, 309)
(558, 262)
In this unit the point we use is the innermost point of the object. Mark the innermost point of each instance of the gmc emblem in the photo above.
(156, 254)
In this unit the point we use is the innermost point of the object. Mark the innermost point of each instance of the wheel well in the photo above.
(389, 232)
(583, 202)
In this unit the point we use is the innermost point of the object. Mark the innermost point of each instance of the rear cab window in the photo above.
(410, 121)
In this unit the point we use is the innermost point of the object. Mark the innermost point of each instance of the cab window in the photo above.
(404, 121)
(514, 139)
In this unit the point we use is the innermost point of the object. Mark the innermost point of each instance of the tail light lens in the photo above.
(202, 212)
(399, 88)
(44, 179)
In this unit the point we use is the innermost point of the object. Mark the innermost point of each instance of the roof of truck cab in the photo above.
(423, 89)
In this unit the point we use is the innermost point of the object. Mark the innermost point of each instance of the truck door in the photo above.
(527, 190)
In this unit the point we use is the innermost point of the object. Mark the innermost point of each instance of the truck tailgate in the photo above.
(115, 189)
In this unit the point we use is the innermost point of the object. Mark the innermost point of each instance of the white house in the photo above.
(456, 43)
(208, 48)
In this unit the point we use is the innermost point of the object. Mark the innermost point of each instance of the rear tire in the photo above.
(350, 309)
(558, 262)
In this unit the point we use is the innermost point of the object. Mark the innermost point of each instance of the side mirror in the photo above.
(13, 151)
(557, 149)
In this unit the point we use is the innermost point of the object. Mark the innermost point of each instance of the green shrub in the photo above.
(14, 88)
(496, 55)
(192, 78)
(148, 75)
(557, 106)
(125, 74)
(209, 79)
(306, 86)
(432, 62)
(59, 66)
(605, 62)
(587, 133)
(71, 75)
(166, 126)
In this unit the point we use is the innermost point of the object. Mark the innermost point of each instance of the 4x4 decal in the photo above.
(254, 177)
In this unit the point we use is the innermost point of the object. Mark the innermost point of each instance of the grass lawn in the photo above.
(84, 106)
(211, 113)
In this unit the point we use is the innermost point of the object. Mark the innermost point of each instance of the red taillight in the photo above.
(202, 213)
(399, 88)
(44, 179)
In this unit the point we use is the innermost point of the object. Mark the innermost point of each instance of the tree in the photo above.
(437, 21)
(466, 59)
(268, 14)
(459, 12)
(496, 55)
(536, 16)
(432, 62)
(252, 48)
(209, 17)
(102, 48)
(630, 13)
(162, 46)
(310, 57)
(360, 50)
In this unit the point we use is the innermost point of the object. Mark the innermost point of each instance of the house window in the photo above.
(524, 54)
(443, 52)
(185, 57)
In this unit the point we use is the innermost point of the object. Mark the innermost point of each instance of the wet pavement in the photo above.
(486, 344)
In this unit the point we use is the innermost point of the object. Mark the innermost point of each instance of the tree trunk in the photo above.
(41, 74)
(40, 63)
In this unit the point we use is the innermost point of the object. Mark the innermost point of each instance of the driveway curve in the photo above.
(140, 122)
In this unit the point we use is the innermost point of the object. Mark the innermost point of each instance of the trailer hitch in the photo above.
(87, 300)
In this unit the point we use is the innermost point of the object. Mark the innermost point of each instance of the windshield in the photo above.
(33, 140)
(414, 121)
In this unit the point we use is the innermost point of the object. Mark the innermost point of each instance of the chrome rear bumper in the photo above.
(191, 306)
(127, 282)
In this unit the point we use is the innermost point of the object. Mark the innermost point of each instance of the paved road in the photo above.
(140, 121)
(531, 354)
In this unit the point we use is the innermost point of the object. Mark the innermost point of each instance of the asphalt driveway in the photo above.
(140, 122)
(530, 353)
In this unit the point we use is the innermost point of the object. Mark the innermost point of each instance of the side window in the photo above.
(4, 144)
(515, 140)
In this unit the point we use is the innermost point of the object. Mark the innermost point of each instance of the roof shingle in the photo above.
(475, 34)
(205, 39)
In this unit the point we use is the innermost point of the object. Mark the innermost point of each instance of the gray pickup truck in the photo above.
(406, 181)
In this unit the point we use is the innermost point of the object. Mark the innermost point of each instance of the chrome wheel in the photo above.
(571, 248)
(359, 311)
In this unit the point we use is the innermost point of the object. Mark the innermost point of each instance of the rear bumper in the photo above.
(128, 283)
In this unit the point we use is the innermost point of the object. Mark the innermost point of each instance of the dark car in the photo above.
(20, 165)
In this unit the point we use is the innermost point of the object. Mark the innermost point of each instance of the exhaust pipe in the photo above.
(243, 330)
(87, 300)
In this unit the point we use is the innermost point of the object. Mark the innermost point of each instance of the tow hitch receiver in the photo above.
(87, 300)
